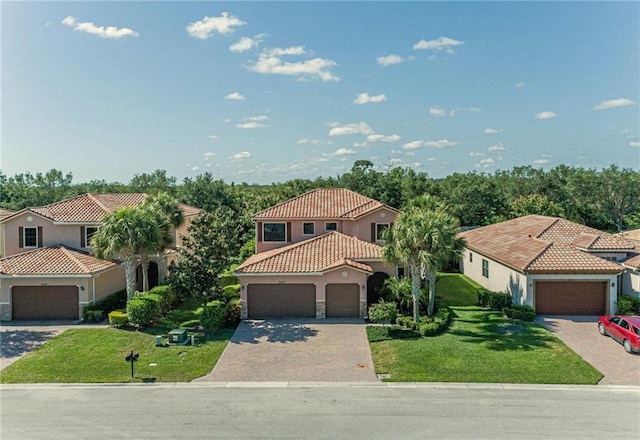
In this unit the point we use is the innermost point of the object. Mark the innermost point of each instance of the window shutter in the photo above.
(288, 237)
(82, 242)
(373, 232)
(259, 226)
(21, 237)
(40, 236)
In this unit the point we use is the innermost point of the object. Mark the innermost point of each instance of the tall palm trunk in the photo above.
(431, 278)
(414, 271)
(144, 264)
(130, 274)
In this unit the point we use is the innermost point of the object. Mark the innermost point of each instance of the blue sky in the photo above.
(263, 92)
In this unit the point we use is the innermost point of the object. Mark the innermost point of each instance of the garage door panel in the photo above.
(281, 300)
(44, 302)
(570, 298)
(342, 300)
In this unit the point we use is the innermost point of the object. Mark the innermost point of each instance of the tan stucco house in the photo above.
(47, 270)
(317, 255)
(554, 265)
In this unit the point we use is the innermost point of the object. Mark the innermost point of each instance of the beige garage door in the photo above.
(570, 298)
(44, 302)
(281, 300)
(342, 300)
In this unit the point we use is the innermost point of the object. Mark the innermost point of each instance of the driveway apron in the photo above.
(296, 350)
(580, 333)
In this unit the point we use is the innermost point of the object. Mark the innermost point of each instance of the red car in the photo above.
(624, 329)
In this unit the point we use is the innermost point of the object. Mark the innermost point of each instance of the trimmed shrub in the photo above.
(115, 301)
(191, 323)
(144, 309)
(436, 324)
(213, 316)
(233, 313)
(383, 311)
(92, 316)
(118, 318)
(523, 313)
(493, 300)
(231, 292)
(406, 321)
(167, 298)
(628, 305)
(377, 333)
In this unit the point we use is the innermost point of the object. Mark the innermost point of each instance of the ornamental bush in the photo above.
(233, 313)
(628, 305)
(431, 326)
(383, 311)
(118, 318)
(115, 301)
(493, 300)
(92, 316)
(523, 313)
(213, 316)
(144, 309)
(168, 298)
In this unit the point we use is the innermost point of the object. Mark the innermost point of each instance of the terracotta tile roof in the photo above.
(634, 261)
(318, 254)
(541, 244)
(323, 203)
(91, 208)
(634, 234)
(5, 213)
(53, 260)
(188, 211)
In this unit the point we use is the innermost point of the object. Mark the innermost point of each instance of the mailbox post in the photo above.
(131, 358)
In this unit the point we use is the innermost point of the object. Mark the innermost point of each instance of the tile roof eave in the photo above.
(24, 211)
(374, 209)
(498, 260)
(574, 272)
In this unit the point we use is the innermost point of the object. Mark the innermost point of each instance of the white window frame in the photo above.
(313, 224)
(264, 237)
(485, 268)
(24, 236)
(380, 233)
(330, 223)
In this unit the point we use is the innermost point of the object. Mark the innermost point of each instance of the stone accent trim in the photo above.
(321, 310)
(244, 314)
(363, 309)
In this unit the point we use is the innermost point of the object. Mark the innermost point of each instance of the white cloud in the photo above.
(410, 153)
(270, 62)
(101, 31)
(354, 128)
(442, 43)
(208, 155)
(634, 144)
(520, 85)
(380, 138)
(540, 162)
(195, 168)
(438, 112)
(486, 163)
(343, 152)
(413, 145)
(224, 24)
(498, 147)
(254, 122)
(476, 154)
(213, 136)
(365, 98)
(241, 155)
(246, 43)
(443, 143)
(235, 96)
(492, 130)
(545, 115)
(388, 60)
(613, 103)
(308, 141)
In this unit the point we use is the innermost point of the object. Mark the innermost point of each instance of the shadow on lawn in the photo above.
(273, 330)
(18, 342)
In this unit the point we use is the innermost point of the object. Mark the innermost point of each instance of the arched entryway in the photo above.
(153, 276)
(374, 287)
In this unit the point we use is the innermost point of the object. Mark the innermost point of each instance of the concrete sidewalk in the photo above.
(299, 350)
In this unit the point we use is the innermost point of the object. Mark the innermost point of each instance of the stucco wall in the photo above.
(631, 283)
(110, 282)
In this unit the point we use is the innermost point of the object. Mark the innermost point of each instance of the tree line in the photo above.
(606, 199)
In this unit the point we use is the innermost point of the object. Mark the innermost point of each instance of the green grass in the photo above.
(98, 356)
(480, 346)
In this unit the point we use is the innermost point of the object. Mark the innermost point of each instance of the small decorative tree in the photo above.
(383, 312)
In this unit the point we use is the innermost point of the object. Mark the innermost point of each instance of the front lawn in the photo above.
(98, 355)
(485, 347)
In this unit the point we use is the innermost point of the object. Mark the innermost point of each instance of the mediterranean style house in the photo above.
(317, 255)
(47, 270)
(554, 265)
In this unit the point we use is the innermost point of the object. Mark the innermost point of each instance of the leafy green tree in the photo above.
(206, 252)
(399, 291)
(125, 234)
(535, 204)
(154, 183)
(422, 241)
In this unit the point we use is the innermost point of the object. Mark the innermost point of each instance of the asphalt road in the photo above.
(196, 411)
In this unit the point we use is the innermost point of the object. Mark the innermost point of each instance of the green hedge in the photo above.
(233, 313)
(144, 309)
(379, 333)
(493, 300)
(118, 318)
(523, 313)
(97, 311)
(213, 316)
(383, 311)
(436, 324)
(628, 305)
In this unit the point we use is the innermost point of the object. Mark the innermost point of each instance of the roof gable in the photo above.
(319, 254)
(537, 243)
(323, 203)
(53, 260)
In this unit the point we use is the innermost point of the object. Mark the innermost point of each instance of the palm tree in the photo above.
(124, 234)
(166, 212)
(399, 290)
(422, 240)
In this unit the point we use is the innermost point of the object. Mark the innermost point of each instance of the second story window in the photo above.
(30, 237)
(89, 232)
(274, 232)
(485, 268)
(308, 228)
(380, 228)
(331, 226)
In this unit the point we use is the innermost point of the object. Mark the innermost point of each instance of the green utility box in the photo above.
(178, 336)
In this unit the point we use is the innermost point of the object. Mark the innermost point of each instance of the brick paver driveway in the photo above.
(296, 350)
(580, 333)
